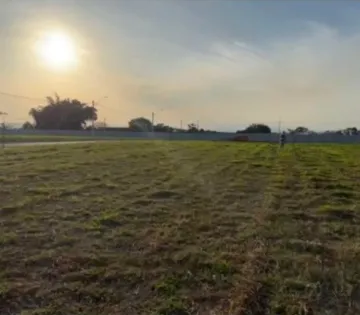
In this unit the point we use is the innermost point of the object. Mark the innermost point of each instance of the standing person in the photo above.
(282, 139)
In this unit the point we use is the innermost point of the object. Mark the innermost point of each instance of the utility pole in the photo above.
(152, 121)
(181, 125)
(281, 137)
(279, 126)
(93, 119)
(3, 114)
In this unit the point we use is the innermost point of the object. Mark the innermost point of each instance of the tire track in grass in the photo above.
(304, 246)
(283, 231)
(310, 266)
(173, 243)
(252, 294)
(207, 184)
(247, 294)
(288, 194)
(268, 294)
(184, 228)
(328, 178)
(337, 231)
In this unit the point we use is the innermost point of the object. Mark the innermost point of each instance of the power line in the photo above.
(118, 111)
(42, 99)
(21, 96)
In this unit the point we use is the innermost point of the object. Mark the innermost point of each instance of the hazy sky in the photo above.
(224, 63)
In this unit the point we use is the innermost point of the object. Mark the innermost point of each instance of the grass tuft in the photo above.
(180, 228)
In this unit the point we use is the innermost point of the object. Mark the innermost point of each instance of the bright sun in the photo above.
(57, 50)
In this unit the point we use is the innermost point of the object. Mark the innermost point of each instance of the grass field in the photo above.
(177, 228)
(41, 138)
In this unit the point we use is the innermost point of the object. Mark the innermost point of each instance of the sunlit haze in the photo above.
(56, 50)
(223, 63)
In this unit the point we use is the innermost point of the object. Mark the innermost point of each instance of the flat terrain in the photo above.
(44, 138)
(177, 228)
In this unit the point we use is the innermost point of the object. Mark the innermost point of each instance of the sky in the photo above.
(225, 64)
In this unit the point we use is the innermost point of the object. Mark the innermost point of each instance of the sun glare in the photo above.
(57, 50)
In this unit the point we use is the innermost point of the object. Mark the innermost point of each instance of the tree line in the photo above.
(72, 114)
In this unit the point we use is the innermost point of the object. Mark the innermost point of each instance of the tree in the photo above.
(27, 125)
(256, 128)
(63, 114)
(350, 131)
(163, 128)
(6, 126)
(192, 128)
(140, 124)
(290, 131)
(301, 129)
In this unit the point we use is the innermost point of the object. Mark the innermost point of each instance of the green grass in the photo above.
(47, 138)
(176, 228)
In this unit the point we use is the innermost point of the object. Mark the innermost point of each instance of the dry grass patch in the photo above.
(180, 228)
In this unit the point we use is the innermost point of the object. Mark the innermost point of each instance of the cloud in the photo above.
(311, 79)
(198, 66)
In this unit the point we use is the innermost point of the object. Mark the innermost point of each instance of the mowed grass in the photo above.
(46, 138)
(179, 228)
